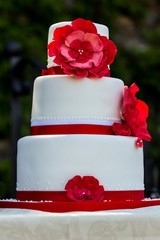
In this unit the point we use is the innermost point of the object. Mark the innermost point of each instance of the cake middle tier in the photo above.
(46, 163)
(64, 98)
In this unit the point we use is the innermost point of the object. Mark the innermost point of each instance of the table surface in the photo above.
(128, 224)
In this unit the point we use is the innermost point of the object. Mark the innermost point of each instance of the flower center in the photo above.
(80, 51)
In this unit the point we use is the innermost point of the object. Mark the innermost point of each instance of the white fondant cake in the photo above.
(66, 98)
(46, 163)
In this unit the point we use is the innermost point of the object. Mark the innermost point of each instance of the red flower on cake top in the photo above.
(134, 113)
(85, 188)
(81, 51)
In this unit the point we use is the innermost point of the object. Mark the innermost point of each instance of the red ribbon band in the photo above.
(71, 129)
(61, 207)
(61, 196)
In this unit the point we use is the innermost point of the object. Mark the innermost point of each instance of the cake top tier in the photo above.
(101, 29)
(80, 48)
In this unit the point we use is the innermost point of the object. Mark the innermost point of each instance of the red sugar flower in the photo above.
(121, 129)
(135, 113)
(85, 188)
(81, 51)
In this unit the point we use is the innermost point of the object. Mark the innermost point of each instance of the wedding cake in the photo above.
(86, 128)
(85, 149)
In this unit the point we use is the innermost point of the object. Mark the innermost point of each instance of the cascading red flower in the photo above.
(85, 188)
(81, 51)
(135, 113)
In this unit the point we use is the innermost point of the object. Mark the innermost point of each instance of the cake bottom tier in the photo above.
(46, 163)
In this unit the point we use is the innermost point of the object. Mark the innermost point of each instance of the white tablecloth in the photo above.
(132, 224)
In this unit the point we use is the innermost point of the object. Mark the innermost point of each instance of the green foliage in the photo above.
(5, 179)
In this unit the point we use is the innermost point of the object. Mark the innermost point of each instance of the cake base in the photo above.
(61, 207)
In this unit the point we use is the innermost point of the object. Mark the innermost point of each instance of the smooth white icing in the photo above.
(48, 162)
(64, 97)
(101, 29)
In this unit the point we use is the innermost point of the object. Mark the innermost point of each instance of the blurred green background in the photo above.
(134, 26)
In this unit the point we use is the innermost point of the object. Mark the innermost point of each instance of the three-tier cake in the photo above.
(87, 129)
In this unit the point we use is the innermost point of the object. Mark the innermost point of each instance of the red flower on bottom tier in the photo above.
(87, 188)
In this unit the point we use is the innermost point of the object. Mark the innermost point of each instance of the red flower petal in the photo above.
(100, 195)
(80, 73)
(66, 52)
(52, 49)
(134, 89)
(76, 45)
(81, 59)
(62, 32)
(109, 48)
(73, 197)
(84, 25)
(74, 181)
(142, 133)
(86, 46)
(87, 54)
(75, 35)
(100, 71)
(84, 189)
(95, 41)
(81, 65)
(91, 180)
(135, 113)
(143, 110)
(121, 129)
(73, 54)
(96, 60)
